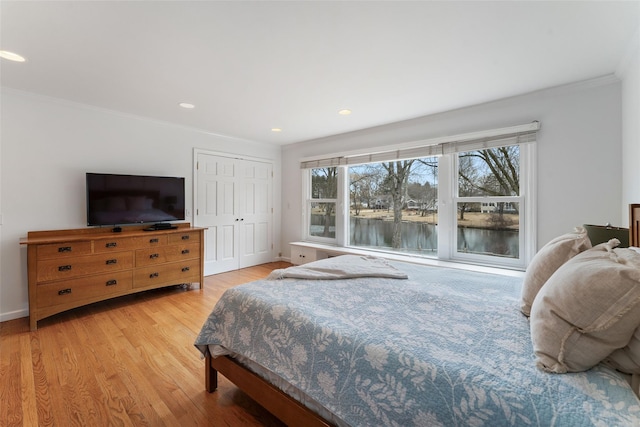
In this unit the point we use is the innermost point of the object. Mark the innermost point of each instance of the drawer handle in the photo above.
(111, 261)
(153, 240)
(185, 269)
(64, 249)
(153, 275)
(64, 268)
(153, 256)
(111, 245)
(111, 282)
(64, 291)
(185, 237)
(185, 251)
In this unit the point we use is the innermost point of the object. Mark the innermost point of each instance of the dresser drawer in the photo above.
(75, 290)
(186, 237)
(153, 240)
(173, 273)
(169, 253)
(55, 269)
(64, 250)
(116, 244)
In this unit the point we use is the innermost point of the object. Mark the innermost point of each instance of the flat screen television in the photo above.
(134, 199)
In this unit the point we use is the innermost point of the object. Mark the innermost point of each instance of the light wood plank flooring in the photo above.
(129, 361)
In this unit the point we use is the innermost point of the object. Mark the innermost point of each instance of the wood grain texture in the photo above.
(129, 361)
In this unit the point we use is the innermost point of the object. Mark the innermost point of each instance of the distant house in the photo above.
(382, 202)
(413, 205)
(489, 207)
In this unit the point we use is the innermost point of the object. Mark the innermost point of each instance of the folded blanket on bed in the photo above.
(340, 267)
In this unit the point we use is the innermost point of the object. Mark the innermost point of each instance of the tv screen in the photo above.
(134, 199)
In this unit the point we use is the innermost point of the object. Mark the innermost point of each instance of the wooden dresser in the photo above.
(71, 268)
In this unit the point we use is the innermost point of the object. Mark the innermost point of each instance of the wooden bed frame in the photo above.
(285, 408)
(289, 410)
(634, 224)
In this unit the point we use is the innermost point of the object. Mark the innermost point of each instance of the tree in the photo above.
(490, 172)
(397, 177)
(363, 184)
(468, 176)
(498, 173)
(324, 185)
(427, 169)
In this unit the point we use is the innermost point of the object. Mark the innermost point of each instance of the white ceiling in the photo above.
(252, 66)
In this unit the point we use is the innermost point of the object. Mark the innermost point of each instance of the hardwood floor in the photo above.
(123, 362)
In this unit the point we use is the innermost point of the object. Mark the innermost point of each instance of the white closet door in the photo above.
(256, 213)
(217, 209)
(233, 202)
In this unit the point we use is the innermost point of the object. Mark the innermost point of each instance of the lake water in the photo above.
(422, 238)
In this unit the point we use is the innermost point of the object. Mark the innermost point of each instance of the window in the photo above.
(321, 204)
(393, 205)
(468, 200)
(488, 220)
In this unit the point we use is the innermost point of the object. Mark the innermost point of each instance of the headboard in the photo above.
(634, 224)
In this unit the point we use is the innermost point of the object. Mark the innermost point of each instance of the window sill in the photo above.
(314, 251)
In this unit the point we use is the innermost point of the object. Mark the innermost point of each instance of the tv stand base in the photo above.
(160, 227)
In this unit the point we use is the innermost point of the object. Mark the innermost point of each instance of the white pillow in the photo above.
(588, 308)
(548, 260)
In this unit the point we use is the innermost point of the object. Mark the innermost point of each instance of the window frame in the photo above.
(447, 196)
(409, 253)
(309, 200)
(524, 199)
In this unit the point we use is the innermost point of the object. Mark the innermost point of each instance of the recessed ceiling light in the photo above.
(186, 105)
(276, 130)
(11, 56)
(344, 112)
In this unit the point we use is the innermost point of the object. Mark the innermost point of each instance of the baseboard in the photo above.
(12, 315)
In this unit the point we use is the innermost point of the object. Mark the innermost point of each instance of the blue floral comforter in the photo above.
(444, 348)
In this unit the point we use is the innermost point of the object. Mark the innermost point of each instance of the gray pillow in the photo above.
(627, 359)
(548, 259)
(588, 308)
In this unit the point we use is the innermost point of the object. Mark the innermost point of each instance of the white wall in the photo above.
(47, 145)
(630, 74)
(579, 152)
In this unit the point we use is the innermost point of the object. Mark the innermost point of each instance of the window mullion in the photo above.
(447, 173)
(342, 207)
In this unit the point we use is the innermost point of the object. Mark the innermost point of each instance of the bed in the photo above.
(442, 347)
